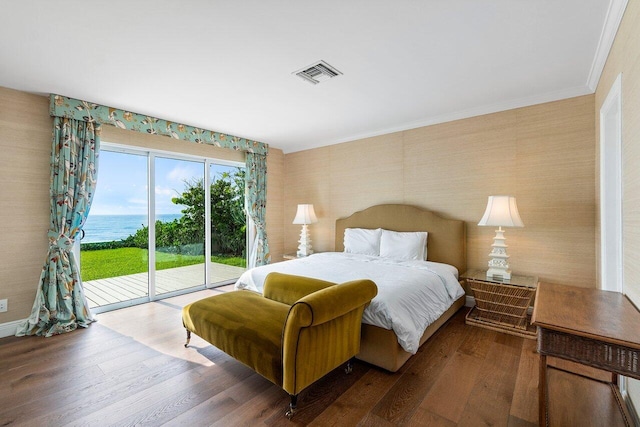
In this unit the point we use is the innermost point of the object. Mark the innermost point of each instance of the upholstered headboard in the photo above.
(446, 239)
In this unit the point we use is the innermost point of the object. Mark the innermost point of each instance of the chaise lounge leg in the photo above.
(292, 406)
(188, 339)
(349, 368)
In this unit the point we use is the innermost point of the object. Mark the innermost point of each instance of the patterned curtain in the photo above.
(60, 304)
(256, 194)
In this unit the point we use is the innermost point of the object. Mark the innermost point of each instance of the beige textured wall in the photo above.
(25, 144)
(624, 58)
(275, 200)
(544, 155)
(25, 141)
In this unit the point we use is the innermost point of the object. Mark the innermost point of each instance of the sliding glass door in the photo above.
(160, 225)
(114, 255)
(179, 225)
(228, 223)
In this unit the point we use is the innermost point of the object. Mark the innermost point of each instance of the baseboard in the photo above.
(470, 301)
(9, 329)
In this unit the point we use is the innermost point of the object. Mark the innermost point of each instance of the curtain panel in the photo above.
(60, 305)
(256, 197)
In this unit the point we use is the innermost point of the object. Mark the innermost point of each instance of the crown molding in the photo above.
(608, 35)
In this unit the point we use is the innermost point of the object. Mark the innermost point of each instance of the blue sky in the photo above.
(122, 183)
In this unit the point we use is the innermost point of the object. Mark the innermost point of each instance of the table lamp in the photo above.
(305, 216)
(502, 212)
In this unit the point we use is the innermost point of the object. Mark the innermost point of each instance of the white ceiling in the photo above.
(227, 65)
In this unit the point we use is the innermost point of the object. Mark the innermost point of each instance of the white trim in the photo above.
(10, 328)
(207, 222)
(118, 305)
(611, 234)
(469, 301)
(473, 112)
(608, 35)
(151, 212)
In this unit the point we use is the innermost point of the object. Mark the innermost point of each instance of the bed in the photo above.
(396, 323)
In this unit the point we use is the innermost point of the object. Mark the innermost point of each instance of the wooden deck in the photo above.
(123, 288)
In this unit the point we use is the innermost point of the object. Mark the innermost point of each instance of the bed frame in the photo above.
(446, 243)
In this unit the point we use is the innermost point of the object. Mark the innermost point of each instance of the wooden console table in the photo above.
(596, 328)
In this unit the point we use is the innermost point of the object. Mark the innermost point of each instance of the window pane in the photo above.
(114, 256)
(228, 223)
(180, 234)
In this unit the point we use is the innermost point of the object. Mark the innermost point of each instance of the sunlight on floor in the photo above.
(160, 327)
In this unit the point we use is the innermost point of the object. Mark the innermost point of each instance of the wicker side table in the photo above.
(501, 305)
(595, 328)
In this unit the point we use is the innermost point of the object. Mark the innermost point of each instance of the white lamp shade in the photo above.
(502, 211)
(305, 215)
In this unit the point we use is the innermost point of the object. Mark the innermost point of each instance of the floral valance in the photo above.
(62, 106)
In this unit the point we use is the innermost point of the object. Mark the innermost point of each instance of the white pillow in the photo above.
(362, 241)
(406, 245)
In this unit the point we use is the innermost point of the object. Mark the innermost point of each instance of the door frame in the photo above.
(611, 233)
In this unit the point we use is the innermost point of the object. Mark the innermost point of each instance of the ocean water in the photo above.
(107, 228)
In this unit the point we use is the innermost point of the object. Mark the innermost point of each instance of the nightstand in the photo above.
(501, 305)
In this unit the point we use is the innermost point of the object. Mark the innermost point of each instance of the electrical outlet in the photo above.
(3, 305)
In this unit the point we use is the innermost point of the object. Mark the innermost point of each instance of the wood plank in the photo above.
(257, 410)
(578, 401)
(423, 417)
(165, 401)
(223, 403)
(490, 401)
(356, 402)
(525, 396)
(458, 378)
(407, 393)
(578, 368)
(93, 298)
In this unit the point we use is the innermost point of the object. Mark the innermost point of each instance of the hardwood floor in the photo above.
(130, 368)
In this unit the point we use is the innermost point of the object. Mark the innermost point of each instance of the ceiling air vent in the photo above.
(318, 72)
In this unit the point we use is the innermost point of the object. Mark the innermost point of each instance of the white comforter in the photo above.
(411, 294)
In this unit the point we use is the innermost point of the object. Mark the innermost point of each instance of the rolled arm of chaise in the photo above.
(330, 303)
(288, 288)
(322, 331)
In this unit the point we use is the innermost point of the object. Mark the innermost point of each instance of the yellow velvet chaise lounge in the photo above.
(299, 330)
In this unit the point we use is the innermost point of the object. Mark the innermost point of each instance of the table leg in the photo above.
(542, 392)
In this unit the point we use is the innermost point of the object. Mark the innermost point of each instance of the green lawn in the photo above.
(120, 262)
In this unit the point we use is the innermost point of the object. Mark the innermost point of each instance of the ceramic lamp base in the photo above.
(500, 273)
(304, 247)
(499, 260)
